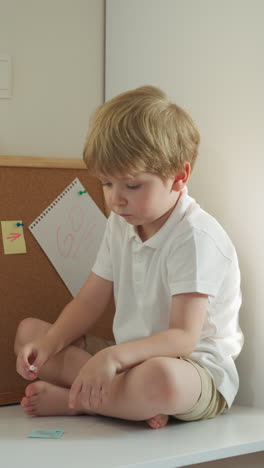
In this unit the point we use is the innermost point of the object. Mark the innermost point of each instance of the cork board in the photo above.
(29, 284)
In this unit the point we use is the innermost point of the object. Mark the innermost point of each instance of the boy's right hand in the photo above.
(32, 357)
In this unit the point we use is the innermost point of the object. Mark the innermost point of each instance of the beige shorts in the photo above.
(210, 404)
(93, 344)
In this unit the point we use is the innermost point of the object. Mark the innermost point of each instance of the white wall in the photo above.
(57, 49)
(208, 55)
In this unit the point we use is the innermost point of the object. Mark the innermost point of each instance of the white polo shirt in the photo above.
(190, 253)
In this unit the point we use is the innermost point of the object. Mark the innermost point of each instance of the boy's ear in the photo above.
(182, 177)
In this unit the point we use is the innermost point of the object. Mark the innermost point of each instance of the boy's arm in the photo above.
(188, 312)
(81, 313)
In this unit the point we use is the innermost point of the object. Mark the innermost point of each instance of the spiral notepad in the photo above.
(70, 231)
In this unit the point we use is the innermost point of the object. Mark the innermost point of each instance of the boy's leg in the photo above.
(158, 386)
(63, 368)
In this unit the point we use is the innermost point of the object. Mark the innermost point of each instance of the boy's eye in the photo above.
(133, 187)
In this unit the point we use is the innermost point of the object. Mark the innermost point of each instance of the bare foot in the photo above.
(45, 399)
(157, 422)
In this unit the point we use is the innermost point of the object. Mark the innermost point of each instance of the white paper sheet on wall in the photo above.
(70, 231)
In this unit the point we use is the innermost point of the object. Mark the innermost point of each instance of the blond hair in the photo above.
(140, 131)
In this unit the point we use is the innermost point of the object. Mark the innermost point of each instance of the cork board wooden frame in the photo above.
(29, 284)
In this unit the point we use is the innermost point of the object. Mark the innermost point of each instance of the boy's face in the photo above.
(143, 200)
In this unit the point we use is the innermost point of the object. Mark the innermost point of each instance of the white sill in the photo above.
(110, 443)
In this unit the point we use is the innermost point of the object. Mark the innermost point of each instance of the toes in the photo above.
(152, 422)
(25, 402)
(28, 402)
(157, 422)
(31, 390)
(29, 411)
(27, 407)
(35, 388)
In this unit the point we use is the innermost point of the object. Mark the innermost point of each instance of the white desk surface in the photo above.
(100, 442)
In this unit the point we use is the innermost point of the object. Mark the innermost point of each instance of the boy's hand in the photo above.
(94, 380)
(32, 357)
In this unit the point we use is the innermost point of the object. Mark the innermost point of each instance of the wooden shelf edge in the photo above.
(10, 398)
(34, 161)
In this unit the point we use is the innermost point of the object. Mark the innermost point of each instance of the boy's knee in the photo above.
(28, 329)
(162, 380)
(22, 333)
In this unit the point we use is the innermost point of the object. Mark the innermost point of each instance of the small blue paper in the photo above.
(46, 434)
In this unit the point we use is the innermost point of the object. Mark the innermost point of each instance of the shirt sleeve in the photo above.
(103, 263)
(196, 265)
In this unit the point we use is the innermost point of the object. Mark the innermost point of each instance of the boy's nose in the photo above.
(117, 198)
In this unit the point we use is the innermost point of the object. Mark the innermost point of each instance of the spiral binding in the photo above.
(53, 204)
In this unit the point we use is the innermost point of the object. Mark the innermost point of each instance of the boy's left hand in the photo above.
(93, 382)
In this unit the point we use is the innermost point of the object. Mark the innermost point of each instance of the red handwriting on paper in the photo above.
(14, 236)
(76, 236)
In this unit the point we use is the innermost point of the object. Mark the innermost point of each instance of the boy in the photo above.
(174, 275)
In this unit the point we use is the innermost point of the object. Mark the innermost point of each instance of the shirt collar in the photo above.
(157, 240)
